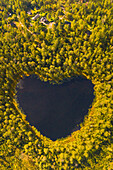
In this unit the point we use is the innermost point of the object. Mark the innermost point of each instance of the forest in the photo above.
(56, 40)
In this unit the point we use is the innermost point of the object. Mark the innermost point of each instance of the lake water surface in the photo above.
(55, 110)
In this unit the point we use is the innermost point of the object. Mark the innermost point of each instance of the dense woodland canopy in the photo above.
(76, 39)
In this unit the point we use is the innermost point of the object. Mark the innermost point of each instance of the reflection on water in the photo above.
(55, 110)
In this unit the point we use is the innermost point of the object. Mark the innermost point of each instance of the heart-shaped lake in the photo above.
(55, 110)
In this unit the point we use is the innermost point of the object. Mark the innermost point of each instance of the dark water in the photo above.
(55, 110)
